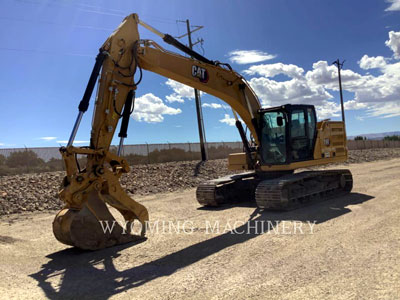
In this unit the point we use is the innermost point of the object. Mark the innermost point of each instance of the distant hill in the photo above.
(374, 136)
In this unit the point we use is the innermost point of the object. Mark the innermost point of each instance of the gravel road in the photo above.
(348, 248)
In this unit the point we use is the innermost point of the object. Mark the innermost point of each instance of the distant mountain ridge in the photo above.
(374, 136)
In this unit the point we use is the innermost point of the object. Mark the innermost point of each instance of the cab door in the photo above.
(302, 132)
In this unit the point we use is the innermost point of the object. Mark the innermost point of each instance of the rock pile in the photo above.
(38, 192)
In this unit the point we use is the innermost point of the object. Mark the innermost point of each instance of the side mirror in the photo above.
(279, 121)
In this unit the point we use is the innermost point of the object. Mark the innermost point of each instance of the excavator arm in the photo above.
(215, 80)
(85, 221)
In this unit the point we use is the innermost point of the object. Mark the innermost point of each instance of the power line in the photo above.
(97, 9)
(45, 51)
(54, 23)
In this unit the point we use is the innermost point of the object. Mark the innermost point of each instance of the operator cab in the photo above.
(288, 134)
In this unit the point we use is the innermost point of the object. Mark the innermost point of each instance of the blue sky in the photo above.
(283, 48)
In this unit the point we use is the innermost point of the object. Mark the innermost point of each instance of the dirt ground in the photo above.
(39, 191)
(352, 251)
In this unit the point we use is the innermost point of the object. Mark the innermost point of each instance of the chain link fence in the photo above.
(155, 153)
(370, 144)
(149, 153)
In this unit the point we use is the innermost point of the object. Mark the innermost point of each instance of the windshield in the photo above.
(273, 137)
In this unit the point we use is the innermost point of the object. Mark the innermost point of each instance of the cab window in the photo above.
(311, 126)
(273, 137)
(298, 128)
(299, 142)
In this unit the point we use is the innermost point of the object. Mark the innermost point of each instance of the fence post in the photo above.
(190, 151)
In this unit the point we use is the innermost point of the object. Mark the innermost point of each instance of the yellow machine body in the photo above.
(330, 147)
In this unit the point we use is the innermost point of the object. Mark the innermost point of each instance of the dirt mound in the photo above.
(37, 192)
(359, 156)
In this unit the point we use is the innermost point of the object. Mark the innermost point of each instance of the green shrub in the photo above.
(55, 164)
(222, 152)
(135, 159)
(26, 158)
(392, 138)
(360, 138)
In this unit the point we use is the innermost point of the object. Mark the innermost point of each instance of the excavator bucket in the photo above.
(93, 227)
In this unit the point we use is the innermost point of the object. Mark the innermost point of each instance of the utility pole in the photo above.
(340, 66)
(200, 122)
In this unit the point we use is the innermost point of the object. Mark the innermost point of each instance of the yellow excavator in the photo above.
(280, 140)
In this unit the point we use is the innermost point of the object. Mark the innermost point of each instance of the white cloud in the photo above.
(149, 108)
(271, 70)
(299, 89)
(181, 91)
(395, 5)
(296, 90)
(354, 105)
(215, 105)
(48, 138)
(7, 145)
(367, 62)
(378, 95)
(394, 43)
(249, 56)
(75, 142)
(359, 118)
(382, 88)
(385, 110)
(327, 75)
(228, 120)
(212, 105)
(327, 109)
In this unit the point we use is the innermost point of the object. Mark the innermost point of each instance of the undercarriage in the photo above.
(276, 190)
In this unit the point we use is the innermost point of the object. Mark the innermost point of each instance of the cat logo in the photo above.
(200, 73)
